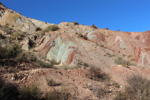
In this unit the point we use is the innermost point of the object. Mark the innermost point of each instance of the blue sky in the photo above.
(126, 15)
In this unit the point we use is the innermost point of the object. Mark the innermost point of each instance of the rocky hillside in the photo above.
(19, 22)
(70, 61)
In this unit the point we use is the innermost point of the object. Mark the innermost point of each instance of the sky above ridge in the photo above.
(126, 15)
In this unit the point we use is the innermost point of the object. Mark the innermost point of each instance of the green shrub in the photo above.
(75, 23)
(29, 93)
(97, 74)
(58, 95)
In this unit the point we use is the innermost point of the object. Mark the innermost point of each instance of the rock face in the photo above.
(69, 45)
(58, 49)
(18, 21)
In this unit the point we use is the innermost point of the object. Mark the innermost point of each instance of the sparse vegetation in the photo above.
(38, 29)
(68, 67)
(123, 62)
(138, 89)
(51, 82)
(106, 28)
(58, 95)
(75, 23)
(31, 43)
(49, 28)
(93, 26)
(17, 36)
(10, 51)
(8, 91)
(100, 92)
(118, 29)
(85, 65)
(26, 57)
(83, 36)
(30, 92)
(116, 85)
(120, 96)
(44, 64)
(97, 74)
(2, 36)
(7, 29)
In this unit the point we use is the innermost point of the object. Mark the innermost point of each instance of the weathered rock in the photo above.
(18, 21)
(26, 45)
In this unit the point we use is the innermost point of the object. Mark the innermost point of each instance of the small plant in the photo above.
(29, 93)
(51, 82)
(31, 43)
(38, 29)
(108, 54)
(83, 36)
(7, 29)
(85, 65)
(54, 28)
(17, 36)
(116, 85)
(75, 23)
(106, 28)
(93, 26)
(26, 57)
(44, 64)
(13, 50)
(2, 52)
(118, 29)
(2, 36)
(58, 95)
(49, 28)
(100, 92)
(97, 74)
(120, 96)
(123, 62)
